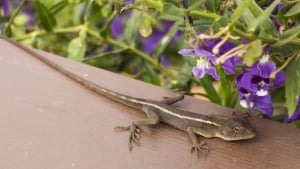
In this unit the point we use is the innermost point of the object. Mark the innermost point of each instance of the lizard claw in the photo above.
(200, 148)
(134, 136)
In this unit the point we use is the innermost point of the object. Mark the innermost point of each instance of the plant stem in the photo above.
(197, 13)
(143, 55)
(110, 41)
(13, 15)
(140, 53)
(245, 35)
(43, 32)
(272, 75)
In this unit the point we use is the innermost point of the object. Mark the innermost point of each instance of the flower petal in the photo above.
(264, 69)
(295, 116)
(264, 105)
(229, 66)
(246, 104)
(164, 60)
(212, 72)
(209, 45)
(5, 7)
(226, 47)
(204, 53)
(198, 72)
(187, 52)
(245, 81)
(262, 92)
(279, 79)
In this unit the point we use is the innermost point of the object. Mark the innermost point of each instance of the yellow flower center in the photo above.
(202, 62)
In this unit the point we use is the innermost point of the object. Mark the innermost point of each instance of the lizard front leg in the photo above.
(134, 127)
(198, 147)
(172, 100)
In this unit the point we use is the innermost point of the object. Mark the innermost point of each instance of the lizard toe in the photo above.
(200, 149)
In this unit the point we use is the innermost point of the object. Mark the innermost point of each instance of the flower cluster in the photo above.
(206, 58)
(254, 85)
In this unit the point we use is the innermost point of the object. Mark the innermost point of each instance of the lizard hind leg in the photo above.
(198, 147)
(134, 127)
(134, 136)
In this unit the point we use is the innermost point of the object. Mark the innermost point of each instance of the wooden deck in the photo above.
(48, 121)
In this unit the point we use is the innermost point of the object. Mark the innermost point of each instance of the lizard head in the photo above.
(236, 129)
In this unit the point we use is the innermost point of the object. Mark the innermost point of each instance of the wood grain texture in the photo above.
(48, 121)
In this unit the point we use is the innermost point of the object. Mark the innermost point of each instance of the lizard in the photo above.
(229, 128)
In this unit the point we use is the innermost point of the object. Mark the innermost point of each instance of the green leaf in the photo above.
(45, 17)
(151, 76)
(75, 1)
(251, 13)
(156, 4)
(7, 29)
(253, 53)
(201, 25)
(206, 15)
(288, 36)
(263, 16)
(194, 4)
(77, 47)
(208, 86)
(185, 76)
(221, 22)
(171, 12)
(247, 16)
(292, 85)
(146, 25)
(165, 40)
(106, 10)
(213, 5)
(238, 12)
(4, 19)
(132, 28)
(105, 31)
(294, 10)
(99, 2)
(226, 89)
(105, 54)
(59, 6)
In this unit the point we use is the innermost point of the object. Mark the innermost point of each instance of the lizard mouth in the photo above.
(247, 135)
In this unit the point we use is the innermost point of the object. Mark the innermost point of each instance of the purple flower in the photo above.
(116, 28)
(261, 71)
(150, 43)
(28, 10)
(129, 2)
(254, 85)
(295, 115)
(205, 57)
(204, 60)
(253, 98)
(164, 60)
(5, 7)
(230, 64)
